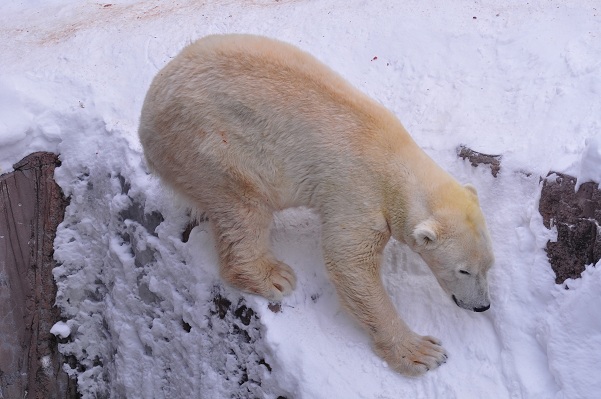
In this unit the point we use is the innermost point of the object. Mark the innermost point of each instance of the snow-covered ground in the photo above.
(521, 79)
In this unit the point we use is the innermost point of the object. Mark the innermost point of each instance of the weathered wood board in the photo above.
(31, 207)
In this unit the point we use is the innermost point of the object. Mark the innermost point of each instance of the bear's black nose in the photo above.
(482, 309)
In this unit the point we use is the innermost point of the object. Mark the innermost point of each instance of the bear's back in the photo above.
(265, 110)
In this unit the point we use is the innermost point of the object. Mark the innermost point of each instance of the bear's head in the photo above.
(455, 243)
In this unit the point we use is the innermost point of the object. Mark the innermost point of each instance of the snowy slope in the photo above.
(521, 79)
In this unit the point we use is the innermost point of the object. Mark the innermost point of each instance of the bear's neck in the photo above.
(413, 189)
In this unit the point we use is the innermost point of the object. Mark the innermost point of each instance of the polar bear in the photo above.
(242, 126)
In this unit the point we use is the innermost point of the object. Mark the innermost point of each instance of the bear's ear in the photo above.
(471, 189)
(426, 233)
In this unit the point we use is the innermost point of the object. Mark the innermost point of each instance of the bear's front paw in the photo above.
(413, 354)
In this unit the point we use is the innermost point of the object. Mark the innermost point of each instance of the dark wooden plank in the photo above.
(31, 207)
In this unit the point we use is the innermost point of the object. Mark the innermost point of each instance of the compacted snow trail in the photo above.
(148, 315)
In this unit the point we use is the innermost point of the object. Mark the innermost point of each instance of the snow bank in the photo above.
(147, 312)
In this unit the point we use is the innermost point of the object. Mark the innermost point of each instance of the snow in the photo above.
(46, 365)
(520, 79)
(61, 329)
(591, 159)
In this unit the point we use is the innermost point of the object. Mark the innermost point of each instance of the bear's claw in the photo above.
(414, 355)
(280, 281)
(268, 278)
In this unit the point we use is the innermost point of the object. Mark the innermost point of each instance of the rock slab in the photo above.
(576, 214)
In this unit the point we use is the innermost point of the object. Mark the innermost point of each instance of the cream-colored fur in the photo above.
(242, 126)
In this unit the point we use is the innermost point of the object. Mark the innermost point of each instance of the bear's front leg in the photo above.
(353, 258)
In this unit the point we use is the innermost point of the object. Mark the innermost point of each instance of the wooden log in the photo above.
(31, 207)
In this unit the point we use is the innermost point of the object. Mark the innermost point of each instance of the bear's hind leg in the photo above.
(246, 262)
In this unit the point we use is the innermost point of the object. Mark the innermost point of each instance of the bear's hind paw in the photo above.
(279, 282)
(268, 278)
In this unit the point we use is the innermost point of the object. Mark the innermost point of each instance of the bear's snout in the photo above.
(476, 309)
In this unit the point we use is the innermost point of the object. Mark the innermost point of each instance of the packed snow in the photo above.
(147, 314)
(61, 329)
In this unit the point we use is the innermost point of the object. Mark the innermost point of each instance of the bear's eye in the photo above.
(464, 272)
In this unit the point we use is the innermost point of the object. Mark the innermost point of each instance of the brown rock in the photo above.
(31, 207)
(576, 215)
(478, 158)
